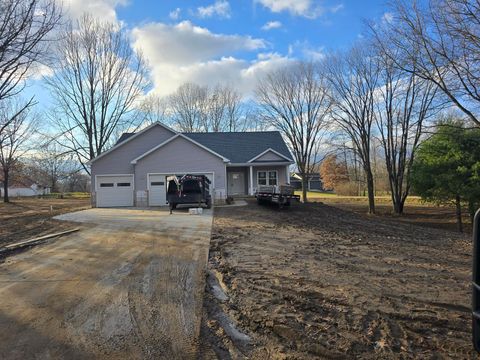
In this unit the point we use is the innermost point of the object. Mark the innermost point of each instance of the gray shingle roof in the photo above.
(238, 147)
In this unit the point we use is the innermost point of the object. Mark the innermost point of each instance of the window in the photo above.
(272, 178)
(262, 178)
(123, 184)
(106, 185)
(157, 183)
(267, 177)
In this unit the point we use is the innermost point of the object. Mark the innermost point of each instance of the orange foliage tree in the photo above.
(333, 172)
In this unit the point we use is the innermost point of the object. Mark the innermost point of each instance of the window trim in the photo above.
(124, 184)
(267, 177)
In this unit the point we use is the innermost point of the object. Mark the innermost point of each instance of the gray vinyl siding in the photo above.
(180, 156)
(118, 161)
(282, 174)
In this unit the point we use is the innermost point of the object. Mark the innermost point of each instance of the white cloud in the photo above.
(103, 9)
(184, 43)
(307, 8)
(175, 14)
(187, 53)
(387, 18)
(307, 51)
(272, 25)
(314, 54)
(336, 8)
(221, 8)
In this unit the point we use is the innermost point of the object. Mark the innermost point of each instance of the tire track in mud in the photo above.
(316, 281)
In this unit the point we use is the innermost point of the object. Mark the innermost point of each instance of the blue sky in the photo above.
(222, 41)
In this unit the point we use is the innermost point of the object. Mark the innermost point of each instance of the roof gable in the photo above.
(127, 137)
(134, 161)
(269, 155)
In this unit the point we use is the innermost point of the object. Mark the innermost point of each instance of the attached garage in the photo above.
(114, 190)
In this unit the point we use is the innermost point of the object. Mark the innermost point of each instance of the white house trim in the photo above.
(129, 139)
(260, 164)
(266, 151)
(134, 161)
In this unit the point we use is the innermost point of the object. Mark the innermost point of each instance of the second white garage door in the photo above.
(114, 190)
(157, 191)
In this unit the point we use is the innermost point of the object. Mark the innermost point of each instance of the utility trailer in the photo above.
(188, 190)
(282, 195)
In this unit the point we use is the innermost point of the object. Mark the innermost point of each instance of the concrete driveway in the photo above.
(128, 285)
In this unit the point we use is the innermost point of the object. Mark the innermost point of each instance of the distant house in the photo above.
(314, 181)
(25, 187)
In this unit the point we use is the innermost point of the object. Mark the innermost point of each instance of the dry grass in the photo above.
(416, 210)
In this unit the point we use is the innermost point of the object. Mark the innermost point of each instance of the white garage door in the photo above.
(113, 191)
(157, 191)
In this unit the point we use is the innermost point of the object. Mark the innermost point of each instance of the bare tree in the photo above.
(405, 102)
(154, 108)
(189, 105)
(96, 85)
(295, 100)
(196, 108)
(53, 164)
(439, 42)
(25, 26)
(14, 136)
(353, 79)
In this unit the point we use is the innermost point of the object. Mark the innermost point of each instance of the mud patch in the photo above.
(319, 282)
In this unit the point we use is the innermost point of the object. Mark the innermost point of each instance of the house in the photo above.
(25, 187)
(314, 181)
(134, 171)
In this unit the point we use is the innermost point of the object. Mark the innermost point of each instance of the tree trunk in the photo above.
(5, 186)
(458, 208)
(304, 189)
(370, 190)
(471, 210)
(398, 203)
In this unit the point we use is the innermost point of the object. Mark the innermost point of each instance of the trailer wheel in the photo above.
(209, 203)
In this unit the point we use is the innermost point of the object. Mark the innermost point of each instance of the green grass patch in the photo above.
(68, 195)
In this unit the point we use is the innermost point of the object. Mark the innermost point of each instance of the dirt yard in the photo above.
(317, 281)
(25, 218)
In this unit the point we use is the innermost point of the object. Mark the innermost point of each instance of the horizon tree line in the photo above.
(384, 91)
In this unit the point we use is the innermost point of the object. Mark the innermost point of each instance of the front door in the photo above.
(236, 183)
